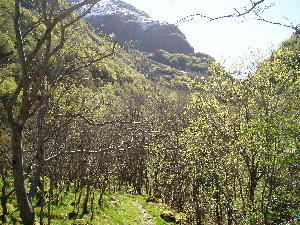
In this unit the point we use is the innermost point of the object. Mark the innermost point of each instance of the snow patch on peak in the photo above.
(117, 7)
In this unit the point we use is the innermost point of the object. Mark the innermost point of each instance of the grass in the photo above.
(154, 209)
(120, 210)
(117, 209)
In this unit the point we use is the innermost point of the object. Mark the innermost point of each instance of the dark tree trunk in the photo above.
(102, 190)
(86, 200)
(40, 157)
(229, 216)
(92, 205)
(218, 208)
(42, 202)
(252, 185)
(25, 207)
(4, 207)
(4, 196)
(198, 211)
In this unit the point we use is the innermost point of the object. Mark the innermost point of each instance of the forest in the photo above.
(89, 127)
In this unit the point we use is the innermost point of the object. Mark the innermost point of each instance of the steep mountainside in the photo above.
(87, 127)
(130, 24)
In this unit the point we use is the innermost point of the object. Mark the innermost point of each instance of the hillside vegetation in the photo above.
(95, 133)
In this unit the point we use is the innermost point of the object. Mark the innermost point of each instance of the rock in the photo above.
(55, 201)
(79, 222)
(4, 218)
(179, 218)
(113, 201)
(153, 199)
(72, 215)
(16, 220)
(129, 24)
(168, 216)
(61, 216)
(182, 218)
(73, 203)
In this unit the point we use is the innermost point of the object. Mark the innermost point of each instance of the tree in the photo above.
(242, 143)
(256, 7)
(37, 79)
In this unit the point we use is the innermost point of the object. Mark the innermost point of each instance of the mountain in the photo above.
(130, 24)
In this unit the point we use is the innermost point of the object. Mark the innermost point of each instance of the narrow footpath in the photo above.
(147, 219)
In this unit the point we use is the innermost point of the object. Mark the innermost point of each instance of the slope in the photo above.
(134, 26)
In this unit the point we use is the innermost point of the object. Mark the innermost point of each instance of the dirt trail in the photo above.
(147, 219)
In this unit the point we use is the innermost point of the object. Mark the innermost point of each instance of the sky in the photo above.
(227, 40)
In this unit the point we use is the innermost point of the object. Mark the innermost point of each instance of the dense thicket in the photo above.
(221, 150)
(243, 144)
(198, 62)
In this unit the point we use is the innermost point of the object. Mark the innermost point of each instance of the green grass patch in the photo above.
(116, 209)
(154, 209)
(120, 210)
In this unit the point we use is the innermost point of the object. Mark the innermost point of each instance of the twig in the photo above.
(238, 14)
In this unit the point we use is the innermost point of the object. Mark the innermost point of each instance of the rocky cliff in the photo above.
(132, 25)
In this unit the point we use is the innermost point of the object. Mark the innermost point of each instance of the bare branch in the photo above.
(54, 4)
(33, 26)
(236, 15)
(61, 42)
(85, 65)
(11, 103)
(78, 151)
(63, 28)
(277, 23)
(95, 123)
(79, 17)
(19, 40)
(55, 21)
(44, 98)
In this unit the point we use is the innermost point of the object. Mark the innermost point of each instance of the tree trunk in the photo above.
(229, 213)
(25, 207)
(4, 207)
(40, 157)
(198, 211)
(86, 200)
(92, 205)
(42, 202)
(218, 207)
(4, 196)
(252, 186)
